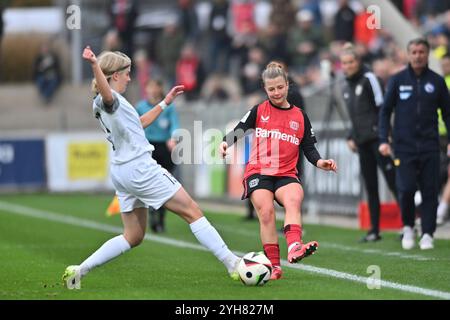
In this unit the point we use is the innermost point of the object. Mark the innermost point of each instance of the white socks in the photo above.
(208, 236)
(109, 250)
(442, 209)
(205, 233)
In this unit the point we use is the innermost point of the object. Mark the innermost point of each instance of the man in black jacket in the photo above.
(363, 95)
(416, 93)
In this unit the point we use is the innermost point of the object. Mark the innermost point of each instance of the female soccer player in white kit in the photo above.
(139, 181)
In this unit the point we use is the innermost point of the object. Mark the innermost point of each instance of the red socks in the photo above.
(293, 233)
(272, 251)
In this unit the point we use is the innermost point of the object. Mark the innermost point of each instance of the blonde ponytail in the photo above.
(110, 62)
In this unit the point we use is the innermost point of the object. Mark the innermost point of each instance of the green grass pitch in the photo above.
(41, 234)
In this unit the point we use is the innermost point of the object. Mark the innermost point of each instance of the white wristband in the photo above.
(162, 104)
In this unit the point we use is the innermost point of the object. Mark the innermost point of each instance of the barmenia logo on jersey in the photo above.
(273, 134)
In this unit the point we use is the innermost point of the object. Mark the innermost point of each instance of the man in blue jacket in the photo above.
(415, 93)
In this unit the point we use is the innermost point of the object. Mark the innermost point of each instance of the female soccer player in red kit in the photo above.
(281, 130)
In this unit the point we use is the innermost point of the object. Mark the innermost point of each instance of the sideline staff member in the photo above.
(363, 95)
(416, 93)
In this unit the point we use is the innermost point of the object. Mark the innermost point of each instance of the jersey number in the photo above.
(105, 129)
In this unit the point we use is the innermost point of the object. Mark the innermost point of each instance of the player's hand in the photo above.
(385, 149)
(327, 165)
(173, 93)
(89, 55)
(223, 149)
(171, 144)
(352, 145)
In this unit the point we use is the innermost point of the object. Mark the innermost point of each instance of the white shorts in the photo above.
(142, 182)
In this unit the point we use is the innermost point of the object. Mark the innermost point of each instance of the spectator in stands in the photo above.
(111, 41)
(314, 7)
(432, 7)
(282, 18)
(145, 70)
(283, 15)
(344, 22)
(271, 172)
(218, 87)
(188, 20)
(160, 134)
(190, 72)
(244, 34)
(251, 71)
(304, 41)
(168, 50)
(363, 96)
(416, 93)
(47, 72)
(218, 38)
(273, 43)
(123, 14)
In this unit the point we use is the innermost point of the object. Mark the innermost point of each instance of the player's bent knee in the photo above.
(266, 216)
(135, 239)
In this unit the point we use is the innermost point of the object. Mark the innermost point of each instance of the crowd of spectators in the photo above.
(239, 37)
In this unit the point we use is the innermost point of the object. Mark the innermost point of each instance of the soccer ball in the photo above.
(254, 269)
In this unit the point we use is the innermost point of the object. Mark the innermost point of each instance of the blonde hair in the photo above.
(111, 62)
(273, 70)
(349, 49)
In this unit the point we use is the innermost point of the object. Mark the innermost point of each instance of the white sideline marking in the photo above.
(71, 220)
(337, 246)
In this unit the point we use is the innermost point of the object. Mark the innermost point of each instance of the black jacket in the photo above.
(415, 100)
(363, 95)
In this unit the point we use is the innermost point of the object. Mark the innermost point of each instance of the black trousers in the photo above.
(369, 159)
(162, 155)
(419, 170)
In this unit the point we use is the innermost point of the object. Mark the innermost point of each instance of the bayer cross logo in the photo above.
(293, 125)
(253, 183)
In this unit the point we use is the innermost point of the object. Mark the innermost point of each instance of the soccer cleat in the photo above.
(426, 242)
(277, 273)
(234, 274)
(300, 251)
(72, 277)
(370, 237)
(408, 238)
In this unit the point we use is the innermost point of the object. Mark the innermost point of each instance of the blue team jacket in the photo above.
(414, 100)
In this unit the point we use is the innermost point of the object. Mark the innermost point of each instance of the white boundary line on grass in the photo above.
(74, 221)
(337, 246)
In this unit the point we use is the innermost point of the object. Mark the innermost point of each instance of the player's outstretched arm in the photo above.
(102, 84)
(327, 165)
(151, 115)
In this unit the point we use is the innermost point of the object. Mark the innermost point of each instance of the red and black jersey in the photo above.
(279, 133)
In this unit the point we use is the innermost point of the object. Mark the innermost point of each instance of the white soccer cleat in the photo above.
(234, 274)
(426, 243)
(72, 277)
(408, 240)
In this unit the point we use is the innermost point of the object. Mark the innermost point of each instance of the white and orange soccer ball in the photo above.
(254, 269)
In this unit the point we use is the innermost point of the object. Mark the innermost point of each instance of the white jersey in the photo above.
(123, 128)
